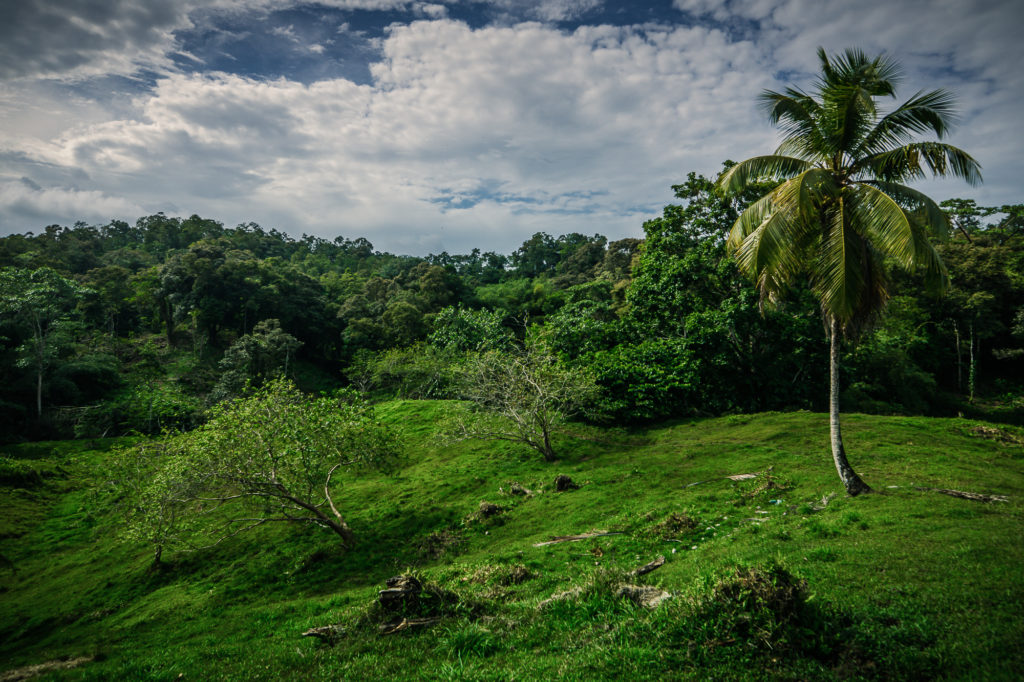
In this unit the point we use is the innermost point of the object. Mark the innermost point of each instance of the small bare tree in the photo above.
(520, 397)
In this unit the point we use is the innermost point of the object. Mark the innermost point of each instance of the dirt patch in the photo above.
(996, 434)
(407, 598)
(516, 575)
(439, 543)
(486, 510)
(674, 526)
(643, 595)
(753, 589)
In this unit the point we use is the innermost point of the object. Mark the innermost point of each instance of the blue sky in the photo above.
(430, 126)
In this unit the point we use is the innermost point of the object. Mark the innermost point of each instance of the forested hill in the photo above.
(113, 329)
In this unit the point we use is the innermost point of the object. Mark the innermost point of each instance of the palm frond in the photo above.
(759, 169)
(849, 276)
(837, 276)
(773, 238)
(922, 112)
(879, 75)
(796, 113)
(883, 222)
(932, 217)
(908, 162)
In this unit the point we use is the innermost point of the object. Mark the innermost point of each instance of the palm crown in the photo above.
(841, 206)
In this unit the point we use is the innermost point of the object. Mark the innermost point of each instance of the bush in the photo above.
(147, 409)
(417, 372)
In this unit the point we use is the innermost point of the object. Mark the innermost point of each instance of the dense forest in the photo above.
(117, 329)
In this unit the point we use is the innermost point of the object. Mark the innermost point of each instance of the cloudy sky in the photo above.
(430, 126)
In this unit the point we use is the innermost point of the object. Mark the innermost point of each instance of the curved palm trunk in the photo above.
(851, 481)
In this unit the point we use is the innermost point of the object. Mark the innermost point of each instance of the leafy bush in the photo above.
(419, 371)
(461, 329)
(266, 457)
(145, 408)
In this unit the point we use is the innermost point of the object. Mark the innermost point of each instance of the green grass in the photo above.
(899, 584)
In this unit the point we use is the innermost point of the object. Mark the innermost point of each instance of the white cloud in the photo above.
(548, 10)
(554, 124)
(480, 137)
(23, 200)
(971, 48)
(65, 38)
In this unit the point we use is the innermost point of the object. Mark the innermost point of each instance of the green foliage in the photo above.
(148, 408)
(43, 305)
(692, 339)
(255, 357)
(417, 371)
(206, 287)
(266, 457)
(653, 379)
(522, 298)
(460, 329)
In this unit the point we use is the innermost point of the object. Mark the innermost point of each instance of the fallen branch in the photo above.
(647, 568)
(643, 595)
(405, 624)
(977, 497)
(734, 477)
(31, 671)
(561, 596)
(574, 538)
(325, 633)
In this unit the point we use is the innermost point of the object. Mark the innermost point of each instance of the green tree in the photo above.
(461, 329)
(45, 303)
(265, 458)
(255, 357)
(840, 206)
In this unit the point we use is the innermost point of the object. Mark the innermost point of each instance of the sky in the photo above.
(447, 126)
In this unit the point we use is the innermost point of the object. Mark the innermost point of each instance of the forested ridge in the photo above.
(114, 329)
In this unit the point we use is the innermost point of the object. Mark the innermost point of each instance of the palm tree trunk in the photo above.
(851, 481)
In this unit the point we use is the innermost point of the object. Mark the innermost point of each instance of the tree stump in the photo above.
(563, 483)
(402, 593)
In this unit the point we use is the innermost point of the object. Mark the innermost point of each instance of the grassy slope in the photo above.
(901, 584)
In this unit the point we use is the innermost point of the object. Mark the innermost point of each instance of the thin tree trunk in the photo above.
(167, 315)
(40, 365)
(959, 357)
(851, 481)
(972, 369)
(549, 453)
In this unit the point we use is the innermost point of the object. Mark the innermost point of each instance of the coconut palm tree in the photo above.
(840, 211)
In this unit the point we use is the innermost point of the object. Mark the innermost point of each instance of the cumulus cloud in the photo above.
(70, 38)
(971, 48)
(464, 137)
(538, 125)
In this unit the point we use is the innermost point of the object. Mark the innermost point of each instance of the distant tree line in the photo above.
(124, 328)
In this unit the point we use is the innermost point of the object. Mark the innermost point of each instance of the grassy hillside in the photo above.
(766, 581)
